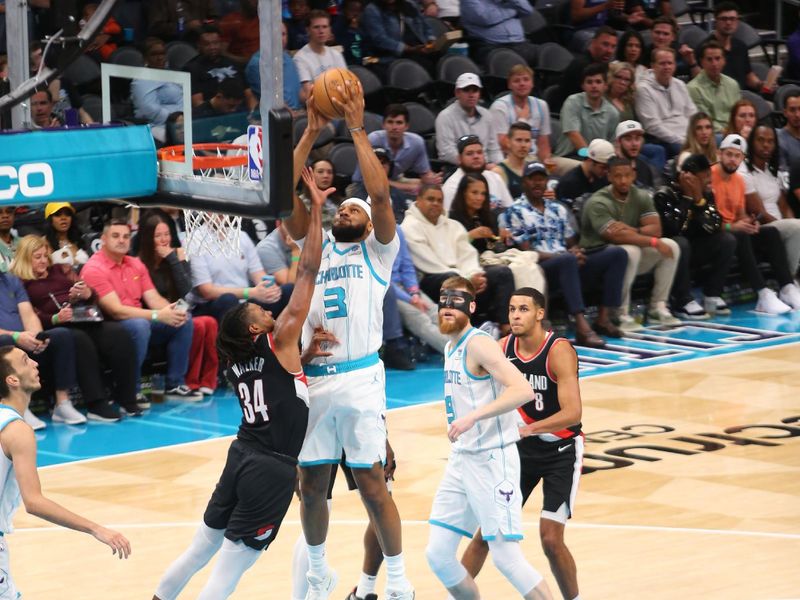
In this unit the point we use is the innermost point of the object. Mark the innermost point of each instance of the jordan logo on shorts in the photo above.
(504, 492)
(264, 532)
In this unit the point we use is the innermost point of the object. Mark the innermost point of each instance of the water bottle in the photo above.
(157, 385)
(181, 17)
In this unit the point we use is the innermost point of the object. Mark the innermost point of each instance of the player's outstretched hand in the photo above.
(318, 196)
(320, 342)
(316, 120)
(118, 543)
(460, 426)
(352, 103)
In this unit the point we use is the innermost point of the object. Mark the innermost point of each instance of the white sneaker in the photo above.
(35, 422)
(660, 314)
(321, 589)
(398, 595)
(790, 295)
(714, 305)
(64, 412)
(206, 391)
(692, 311)
(628, 323)
(769, 303)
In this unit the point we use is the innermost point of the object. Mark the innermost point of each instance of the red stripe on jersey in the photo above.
(271, 342)
(535, 354)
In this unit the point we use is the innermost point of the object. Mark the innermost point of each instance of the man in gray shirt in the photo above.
(279, 255)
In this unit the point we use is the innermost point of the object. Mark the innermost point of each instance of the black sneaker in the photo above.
(132, 410)
(142, 401)
(352, 596)
(103, 412)
(397, 356)
(184, 394)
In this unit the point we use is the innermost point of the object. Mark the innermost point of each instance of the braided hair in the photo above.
(235, 342)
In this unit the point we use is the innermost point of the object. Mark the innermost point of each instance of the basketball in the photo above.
(331, 85)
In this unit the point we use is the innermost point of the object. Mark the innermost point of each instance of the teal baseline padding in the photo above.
(86, 163)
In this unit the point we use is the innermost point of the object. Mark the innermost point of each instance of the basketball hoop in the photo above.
(212, 233)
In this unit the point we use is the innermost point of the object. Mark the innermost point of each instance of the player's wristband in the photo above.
(154, 315)
(15, 336)
(727, 226)
(246, 293)
(354, 129)
(54, 319)
(653, 242)
(295, 259)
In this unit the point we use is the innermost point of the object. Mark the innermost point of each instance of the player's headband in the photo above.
(456, 299)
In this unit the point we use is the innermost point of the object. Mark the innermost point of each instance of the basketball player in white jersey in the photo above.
(480, 487)
(19, 378)
(347, 389)
(551, 449)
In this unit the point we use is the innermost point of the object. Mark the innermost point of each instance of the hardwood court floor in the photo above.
(718, 519)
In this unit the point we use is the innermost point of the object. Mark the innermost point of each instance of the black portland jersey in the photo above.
(536, 369)
(274, 402)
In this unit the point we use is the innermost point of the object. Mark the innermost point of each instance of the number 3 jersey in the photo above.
(464, 392)
(348, 297)
(274, 402)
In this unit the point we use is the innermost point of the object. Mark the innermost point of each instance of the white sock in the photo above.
(578, 597)
(366, 585)
(317, 563)
(396, 572)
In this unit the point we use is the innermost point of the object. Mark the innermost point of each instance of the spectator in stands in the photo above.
(584, 14)
(395, 28)
(172, 277)
(348, 32)
(324, 178)
(465, 117)
(789, 134)
(440, 248)
(629, 142)
(699, 140)
(297, 24)
(63, 233)
(689, 216)
(53, 293)
(631, 50)
(663, 103)
(210, 68)
(176, 19)
(751, 238)
(737, 57)
(793, 54)
(228, 98)
(711, 91)
(765, 196)
(241, 37)
(418, 312)
(471, 160)
(519, 141)
(588, 115)
(471, 208)
(638, 14)
(664, 34)
(8, 237)
(41, 103)
(742, 118)
(154, 101)
(544, 225)
(521, 105)
(406, 151)
(279, 255)
(294, 95)
(123, 287)
(601, 50)
(620, 89)
(589, 176)
(623, 215)
(316, 57)
(491, 24)
(104, 43)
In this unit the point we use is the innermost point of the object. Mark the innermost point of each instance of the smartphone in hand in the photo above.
(182, 306)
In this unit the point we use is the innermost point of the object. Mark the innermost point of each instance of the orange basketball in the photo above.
(329, 85)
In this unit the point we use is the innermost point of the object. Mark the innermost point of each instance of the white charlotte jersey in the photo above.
(464, 392)
(348, 297)
(9, 494)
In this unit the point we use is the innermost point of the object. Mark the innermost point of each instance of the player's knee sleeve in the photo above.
(204, 545)
(234, 559)
(508, 558)
(299, 568)
(441, 556)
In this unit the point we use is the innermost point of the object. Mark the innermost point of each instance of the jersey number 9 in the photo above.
(257, 405)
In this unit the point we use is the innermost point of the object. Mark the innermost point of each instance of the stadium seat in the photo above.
(372, 86)
(692, 35)
(82, 71)
(551, 62)
(449, 67)
(551, 95)
(780, 95)
(343, 158)
(372, 122)
(438, 27)
(93, 105)
(178, 54)
(751, 38)
(693, 9)
(407, 80)
(498, 63)
(555, 131)
(127, 55)
(422, 121)
(325, 136)
(763, 109)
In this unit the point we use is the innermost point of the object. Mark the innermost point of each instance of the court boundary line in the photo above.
(411, 406)
(421, 522)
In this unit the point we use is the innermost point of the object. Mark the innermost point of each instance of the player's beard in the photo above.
(448, 327)
(348, 233)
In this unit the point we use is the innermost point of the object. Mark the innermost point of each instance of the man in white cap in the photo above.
(589, 176)
(465, 117)
(630, 141)
(752, 240)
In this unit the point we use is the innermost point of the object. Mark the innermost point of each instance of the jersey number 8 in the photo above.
(257, 406)
(538, 401)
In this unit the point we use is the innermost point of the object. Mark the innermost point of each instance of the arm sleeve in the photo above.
(181, 274)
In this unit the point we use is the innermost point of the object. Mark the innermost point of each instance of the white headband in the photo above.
(362, 204)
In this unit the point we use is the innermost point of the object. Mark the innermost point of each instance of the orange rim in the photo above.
(176, 154)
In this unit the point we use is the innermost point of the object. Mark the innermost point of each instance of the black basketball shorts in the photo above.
(558, 464)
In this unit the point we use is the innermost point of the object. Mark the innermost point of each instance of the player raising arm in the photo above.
(480, 486)
(255, 489)
(19, 378)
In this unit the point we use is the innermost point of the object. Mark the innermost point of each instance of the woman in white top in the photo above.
(765, 190)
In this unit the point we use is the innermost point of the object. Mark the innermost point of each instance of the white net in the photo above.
(212, 234)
